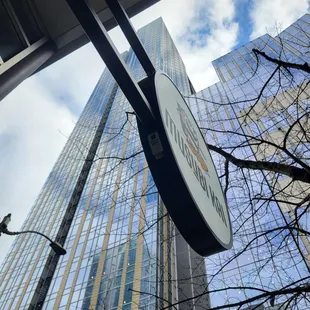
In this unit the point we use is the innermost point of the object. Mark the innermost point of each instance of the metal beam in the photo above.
(17, 25)
(108, 52)
(22, 65)
(124, 22)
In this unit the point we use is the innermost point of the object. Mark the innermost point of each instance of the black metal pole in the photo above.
(124, 22)
(109, 54)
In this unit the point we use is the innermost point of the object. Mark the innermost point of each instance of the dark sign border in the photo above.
(171, 185)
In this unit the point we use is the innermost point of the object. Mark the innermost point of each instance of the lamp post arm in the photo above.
(57, 247)
(14, 233)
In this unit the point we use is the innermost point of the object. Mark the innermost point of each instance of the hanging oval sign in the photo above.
(183, 169)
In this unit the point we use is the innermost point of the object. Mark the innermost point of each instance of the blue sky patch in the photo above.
(242, 17)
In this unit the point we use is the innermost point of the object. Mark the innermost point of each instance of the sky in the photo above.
(38, 116)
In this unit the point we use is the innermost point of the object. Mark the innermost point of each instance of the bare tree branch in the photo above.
(295, 173)
(304, 67)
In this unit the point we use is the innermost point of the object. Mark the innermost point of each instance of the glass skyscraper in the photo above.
(120, 240)
(223, 110)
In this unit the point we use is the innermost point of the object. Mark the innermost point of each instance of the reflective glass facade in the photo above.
(115, 244)
(272, 261)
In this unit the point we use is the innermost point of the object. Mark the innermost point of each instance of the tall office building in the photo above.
(116, 246)
(274, 260)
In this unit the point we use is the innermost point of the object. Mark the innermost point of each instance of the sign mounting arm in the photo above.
(109, 54)
(124, 22)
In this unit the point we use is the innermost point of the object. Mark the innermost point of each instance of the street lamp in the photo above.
(4, 229)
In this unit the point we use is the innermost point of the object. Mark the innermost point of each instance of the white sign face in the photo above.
(193, 158)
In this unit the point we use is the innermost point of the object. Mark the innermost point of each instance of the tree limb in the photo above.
(304, 67)
(294, 290)
(295, 173)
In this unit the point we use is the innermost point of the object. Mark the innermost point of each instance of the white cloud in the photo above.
(71, 80)
(32, 114)
(268, 15)
(188, 20)
(30, 143)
